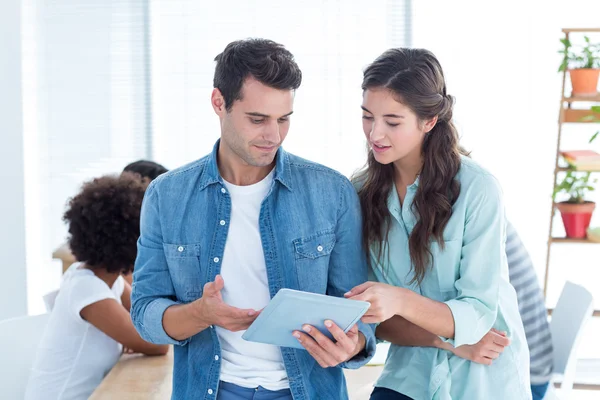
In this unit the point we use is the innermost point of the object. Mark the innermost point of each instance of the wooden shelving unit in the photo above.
(569, 240)
(568, 115)
(571, 115)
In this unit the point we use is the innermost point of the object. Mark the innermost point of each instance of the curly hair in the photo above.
(104, 222)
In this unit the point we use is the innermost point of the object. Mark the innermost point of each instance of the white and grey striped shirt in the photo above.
(531, 307)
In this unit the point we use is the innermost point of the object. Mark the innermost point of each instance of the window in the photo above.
(85, 104)
(323, 36)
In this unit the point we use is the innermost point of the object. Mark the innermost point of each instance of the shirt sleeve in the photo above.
(348, 266)
(483, 262)
(87, 290)
(152, 291)
(118, 288)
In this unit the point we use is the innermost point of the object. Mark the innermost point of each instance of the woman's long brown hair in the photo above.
(416, 79)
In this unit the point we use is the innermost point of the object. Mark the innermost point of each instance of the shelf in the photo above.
(590, 30)
(569, 240)
(585, 99)
(577, 116)
(565, 169)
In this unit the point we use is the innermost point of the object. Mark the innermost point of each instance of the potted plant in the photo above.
(583, 66)
(576, 212)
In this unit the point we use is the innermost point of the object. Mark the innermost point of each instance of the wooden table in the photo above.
(137, 377)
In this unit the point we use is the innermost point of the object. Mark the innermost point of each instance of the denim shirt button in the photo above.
(216, 358)
(223, 190)
(222, 222)
(210, 391)
(319, 248)
(216, 259)
(180, 249)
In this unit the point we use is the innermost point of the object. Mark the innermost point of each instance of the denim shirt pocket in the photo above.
(312, 254)
(184, 267)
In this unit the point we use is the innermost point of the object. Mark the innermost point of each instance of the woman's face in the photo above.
(393, 130)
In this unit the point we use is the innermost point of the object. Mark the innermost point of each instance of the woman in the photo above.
(435, 229)
(144, 169)
(90, 323)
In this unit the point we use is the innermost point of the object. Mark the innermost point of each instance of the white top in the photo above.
(74, 356)
(243, 363)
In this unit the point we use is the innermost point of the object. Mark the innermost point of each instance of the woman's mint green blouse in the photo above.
(471, 276)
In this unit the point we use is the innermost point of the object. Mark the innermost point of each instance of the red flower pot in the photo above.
(576, 218)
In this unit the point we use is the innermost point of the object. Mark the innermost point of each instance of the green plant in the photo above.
(575, 185)
(594, 117)
(587, 57)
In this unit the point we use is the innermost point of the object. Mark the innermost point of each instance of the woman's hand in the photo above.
(385, 300)
(486, 350)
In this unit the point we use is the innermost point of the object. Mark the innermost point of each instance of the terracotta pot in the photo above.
(576, 218)
(584, 81)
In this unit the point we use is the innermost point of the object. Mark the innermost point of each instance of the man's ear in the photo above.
(218, 102)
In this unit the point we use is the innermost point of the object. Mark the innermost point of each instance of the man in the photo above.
(221, 236)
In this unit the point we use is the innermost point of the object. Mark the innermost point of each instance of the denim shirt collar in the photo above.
(211, 174)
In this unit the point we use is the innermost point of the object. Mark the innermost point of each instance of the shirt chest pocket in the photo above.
(312, 255)
(184, 267)
(446, 266)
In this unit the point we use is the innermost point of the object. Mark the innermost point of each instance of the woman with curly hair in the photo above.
(90, 322)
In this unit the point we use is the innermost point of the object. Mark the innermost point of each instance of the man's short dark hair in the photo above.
(146, 169)
(268, 62)
(104, 222)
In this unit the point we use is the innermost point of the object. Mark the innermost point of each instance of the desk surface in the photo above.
(137, 377)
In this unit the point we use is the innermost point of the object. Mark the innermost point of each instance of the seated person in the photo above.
(146, 170)
(90, 322)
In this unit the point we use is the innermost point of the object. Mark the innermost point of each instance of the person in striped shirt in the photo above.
(533, 312)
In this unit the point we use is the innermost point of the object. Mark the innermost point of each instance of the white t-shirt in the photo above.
(74, 356)
(244, 363)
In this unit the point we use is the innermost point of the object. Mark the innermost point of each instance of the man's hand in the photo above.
(486, 350)
(326, 352)
(211, 309)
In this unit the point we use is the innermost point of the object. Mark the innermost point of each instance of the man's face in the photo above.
(255, 126)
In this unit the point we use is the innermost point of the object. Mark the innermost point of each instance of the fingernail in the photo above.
(328, 324)
(251, 313)
(297, 335)
(306, 328)
(348, 293)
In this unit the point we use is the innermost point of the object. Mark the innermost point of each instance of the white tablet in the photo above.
(290, 309)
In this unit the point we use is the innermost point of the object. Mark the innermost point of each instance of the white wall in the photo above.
(501, 61)
(13, 293)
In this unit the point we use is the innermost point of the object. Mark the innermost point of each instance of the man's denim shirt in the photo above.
(310, 226)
